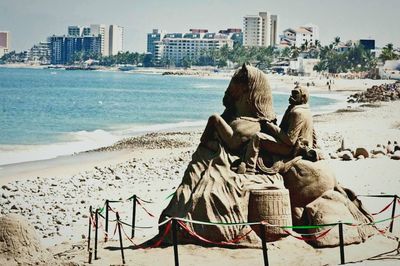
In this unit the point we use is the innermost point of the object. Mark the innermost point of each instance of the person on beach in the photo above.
(293, 137)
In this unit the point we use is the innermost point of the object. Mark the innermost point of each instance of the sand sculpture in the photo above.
(243, 150)
(19, 244)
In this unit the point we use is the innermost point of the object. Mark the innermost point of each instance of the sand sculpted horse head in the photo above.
(249, 94)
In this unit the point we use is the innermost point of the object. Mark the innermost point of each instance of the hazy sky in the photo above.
(31, 21)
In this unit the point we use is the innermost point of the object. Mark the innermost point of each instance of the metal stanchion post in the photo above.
(264, 244)
(133, 215)
(106, 229)
(341, 243)
(89, 235)
(175, 241)
(393, 213)
(96, 233)
(120, 239)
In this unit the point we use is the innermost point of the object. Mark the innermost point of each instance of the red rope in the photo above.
(126, 235)
(111, 209)
(231, 242)
(155, 245)
(384, 209)
(92, 221)
(151, 215)
(384, 230)
(317, 236)
(159, 242)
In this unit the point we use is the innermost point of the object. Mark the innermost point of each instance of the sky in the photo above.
(32, 21)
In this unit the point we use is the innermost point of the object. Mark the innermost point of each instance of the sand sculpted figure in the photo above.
(214, 189)
(295, 135)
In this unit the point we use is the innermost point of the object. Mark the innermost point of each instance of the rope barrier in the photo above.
(145, 201)
(384, 209)
(315, 236)
(183, 222)
(231, 242)
(140, 204)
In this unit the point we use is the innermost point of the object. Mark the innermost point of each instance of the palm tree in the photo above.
(388, 53)
(336, 41)
(294, 52)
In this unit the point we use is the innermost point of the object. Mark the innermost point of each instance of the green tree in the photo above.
(388, 53)
(186, 62)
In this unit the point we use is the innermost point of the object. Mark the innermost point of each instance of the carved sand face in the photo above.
(298, 96)
(295, 97)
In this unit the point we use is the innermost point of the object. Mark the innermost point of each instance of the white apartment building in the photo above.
(191, 46)
(4, 42)
(116, 36)
(103, 31)
(260, 30)
(306, 34)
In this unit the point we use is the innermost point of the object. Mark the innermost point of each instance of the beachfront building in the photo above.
(152, 38)
(260, 30)
(176, 48)
(236, 35)
(64, 48)
(111, 36)
(40, 53)
(116, 37)
(303, 66)
(102, 31)
(4, 42)
(303, 35)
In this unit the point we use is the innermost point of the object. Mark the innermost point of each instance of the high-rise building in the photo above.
(103, 31)
(64, 48)
(153, 37)
(260, 30)
(4, 42)
(86, 31)
(116, 35)
(74, 30)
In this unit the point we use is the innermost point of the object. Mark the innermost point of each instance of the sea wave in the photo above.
(75, 142)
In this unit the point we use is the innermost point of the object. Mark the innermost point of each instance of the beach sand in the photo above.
(54, 195)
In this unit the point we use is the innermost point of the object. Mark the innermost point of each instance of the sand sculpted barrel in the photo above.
(272, 206)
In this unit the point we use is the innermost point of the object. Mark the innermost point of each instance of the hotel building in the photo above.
(116, 39)
(260, 30)
(104, 32)
(4, 42)
(63, 48)
(174, 47)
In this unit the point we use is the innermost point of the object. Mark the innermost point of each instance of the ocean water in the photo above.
(45, 112)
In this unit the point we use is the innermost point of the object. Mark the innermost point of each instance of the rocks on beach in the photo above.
(349, 154)
(381, 93)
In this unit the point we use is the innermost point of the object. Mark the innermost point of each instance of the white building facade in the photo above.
(116, 37)
(260, 30)
(307, 34)
(191, 46)
(103, 31)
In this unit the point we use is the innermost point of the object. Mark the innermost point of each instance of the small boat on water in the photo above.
(127, 67)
